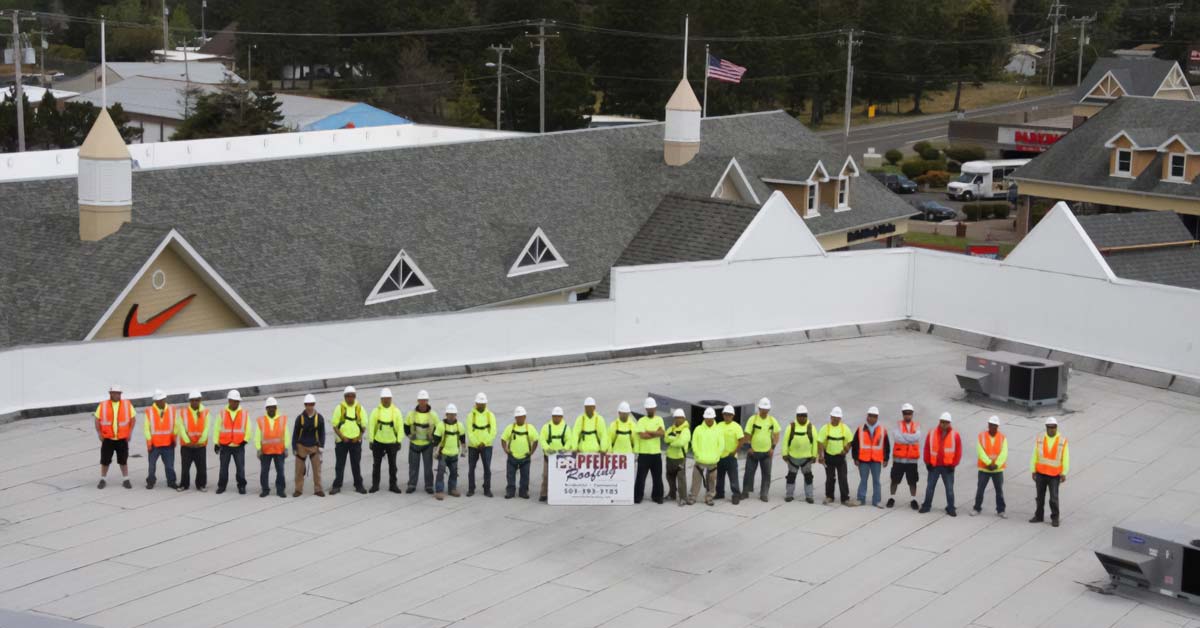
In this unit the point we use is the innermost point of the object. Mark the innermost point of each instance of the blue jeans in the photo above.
(947, 476)
(474, 456)
(446, 465)
(727, 467)
(512, 468)
(167, 454)
(264, 473)
(872, 469)
(997, 480)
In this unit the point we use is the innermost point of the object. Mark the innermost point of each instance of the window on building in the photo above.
(843, 190)
(537, 255)
(402, 279)
(812, 200)
(1124, 161)
(1178, 165)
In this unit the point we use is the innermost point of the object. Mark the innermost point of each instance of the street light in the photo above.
(500, 82)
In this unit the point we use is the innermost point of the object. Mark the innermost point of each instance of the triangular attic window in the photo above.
(402, 279)
(537, 255)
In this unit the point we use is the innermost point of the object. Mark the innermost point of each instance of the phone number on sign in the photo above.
(568, 490)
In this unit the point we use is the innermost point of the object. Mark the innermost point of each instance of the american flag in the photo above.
(723, 70)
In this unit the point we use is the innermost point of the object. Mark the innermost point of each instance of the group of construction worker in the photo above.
(714, 446)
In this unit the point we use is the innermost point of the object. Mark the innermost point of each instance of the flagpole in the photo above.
(685, 44)
(704, 108)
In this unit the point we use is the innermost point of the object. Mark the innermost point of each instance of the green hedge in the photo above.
(983, 211)
(966, 153)
(914, 167)
(934, 179)
(893, 156)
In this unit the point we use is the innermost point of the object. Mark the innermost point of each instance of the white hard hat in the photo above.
(709, 413)
(678, 412)
(836, 411)
(270, 403)
(451, 409)
(906, 407)
(309, 398)
(1051, 421)
(589, 402)
(946, 417)
(386, 393)
(519, 411)
(481, 398)
(764, 404)
(994, 420)
(114, 388)
(801, 409)
(873, 410)
(422, 396)
(349, 390)
(649, 403)
(159, 395)
(557, 411)
(623, 406)
(728, 409)
(234, 395)
(195, 394)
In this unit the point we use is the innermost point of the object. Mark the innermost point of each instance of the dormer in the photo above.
(842, 188)
(1107, 88)
(808, 195)
(1175, 86)
(1180, 162)
(1128, 159)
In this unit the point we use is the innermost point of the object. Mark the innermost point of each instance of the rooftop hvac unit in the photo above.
(1160, 558)
(1010, 377)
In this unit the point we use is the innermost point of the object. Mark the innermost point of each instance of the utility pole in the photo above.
(1083, 22)
(541, 38)
(103, 67)
(849, 43)
(166, 45)
(250, 67)
(43, 46)
(19, 95)
(203, 31)
(500, 50)
(1173, 6)
(1055, 15)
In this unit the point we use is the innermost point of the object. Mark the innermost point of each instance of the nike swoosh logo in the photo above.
(134, 327)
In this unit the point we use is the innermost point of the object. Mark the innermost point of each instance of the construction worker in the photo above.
(943, 452)
(556, 437)
(419, 426)
(519, 442)
(450, 437)
(906, 451)
(481, 433)
(707, 443)
(871, 449)
(159, 430)
(192, 428)
(349, 423)
(762, 430)
(728, 466)
(308, 439)
(800, 452)
(114, 425)
(591, 435)
(678, 438)
(1050, 463)
(272, 440)
(832, 442)
(992, 451)
(229, 440)
(621, 432)
(385, 432)
(648, 445)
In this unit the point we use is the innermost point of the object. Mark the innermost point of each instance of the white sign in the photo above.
(590, 479)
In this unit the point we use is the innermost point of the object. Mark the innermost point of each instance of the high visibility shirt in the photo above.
(907, 447)
(450, 435)
(992, 450)
(520, 439)
(192, 425)
(351, 420)
(761, 431)
(556, 438)
(481, 428)
(800, 441)
(419, 426)
(648, 445)
(386, 425)
(871, 445)
(232, 427)
(591, 434)
(116, 419)
(835, 438)
(159, 428)
(943, 451)
(678, 438)
(708, 443)
(271, 435)
(1047, 452)
(733, 433)
(621, 435)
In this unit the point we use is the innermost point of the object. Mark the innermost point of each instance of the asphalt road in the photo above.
(932, 128)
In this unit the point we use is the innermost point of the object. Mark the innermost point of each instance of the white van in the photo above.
(983, 179)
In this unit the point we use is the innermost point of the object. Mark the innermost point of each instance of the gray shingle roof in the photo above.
(305, 240)
(1079, 158)
(1134, 228)
(1170, 265)
(1173, 266)
(1140, 76)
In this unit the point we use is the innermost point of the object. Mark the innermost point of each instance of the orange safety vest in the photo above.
(195, 424)
(907, 451)
(992, 448)
(162, 426)
(871, 449)
(233, 428)
(272, 437)
(1049, 460)
(124, 420)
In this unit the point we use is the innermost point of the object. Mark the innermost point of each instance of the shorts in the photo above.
(120, 447)
(901, 470)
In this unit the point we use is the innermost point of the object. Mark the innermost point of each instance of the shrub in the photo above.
(953, 166)
(934, 178)
(893, 156)
(966, 153)
(921, 147)
(973, 211)
(915, 167)
(1001, 210)
(931, 154)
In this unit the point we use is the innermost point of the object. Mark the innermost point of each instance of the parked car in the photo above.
(933, 211)
(897, 183)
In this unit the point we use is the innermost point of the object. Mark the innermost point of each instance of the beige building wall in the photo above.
(206, 312)
(1109, 197)
(797, 195)
(834, 241)
(728, 191)
(1174, 94)
(553, 298)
